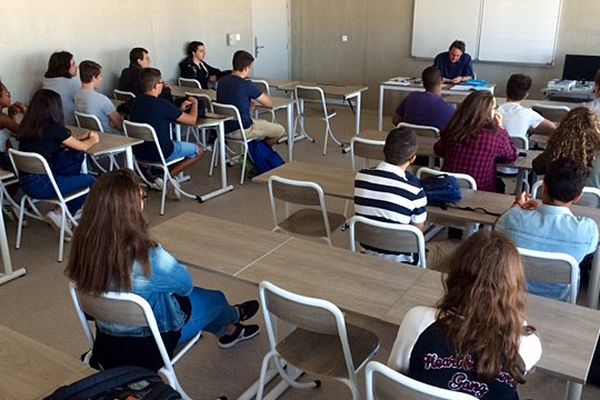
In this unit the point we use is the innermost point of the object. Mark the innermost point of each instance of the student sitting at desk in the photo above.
(426, 108)
(61, 77)
(194, 67)
(88, 100)
(9, 124)
(131, 77)
(43, 131)
(519, 120)
(454, 64)
(476, 340)
(577, 138)
(390, 193)
(595, 104)
(474, 141)
(112, 251)
(160, 113)
(551, 226)
(237, 90)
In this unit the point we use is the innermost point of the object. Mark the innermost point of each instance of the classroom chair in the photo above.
(423, 131)
(190, 83)
(387, 236)
(306, 221)
(367, 149)
(316, 95)
(33, 163)
(590, 198)
(147, 133)
(206, 102)
(551, 112)
(522, 145)
(551, 267)
(128, 309)
(383, 383)
(123, 95)
(322, 343)
(239, 137)
(91, 122)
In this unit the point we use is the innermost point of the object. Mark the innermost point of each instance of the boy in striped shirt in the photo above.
(390, 193)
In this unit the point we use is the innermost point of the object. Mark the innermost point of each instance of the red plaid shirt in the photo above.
(478, 156)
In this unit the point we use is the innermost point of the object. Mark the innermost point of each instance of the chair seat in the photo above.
(309, 222)
(322, 354)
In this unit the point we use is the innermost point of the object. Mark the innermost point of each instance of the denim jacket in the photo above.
(167, 277)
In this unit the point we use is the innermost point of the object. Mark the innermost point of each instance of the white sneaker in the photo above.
(157, 184)
(174, 190)
(55, 220)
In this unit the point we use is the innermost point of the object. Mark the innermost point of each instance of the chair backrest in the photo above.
(138, 130)
(88, 121)
(550, 112)
(191, 83)
(123, 95)
(550, 267)
(310, 93)
(30, 163)
(367, 149)
(309, 313)
(231, 111)
(295, 192)
(590, 198)
(422, 130)
(520, 142)
(464, 180)
(383, 383)
(387, 236)
(203, 99)
(262, 85)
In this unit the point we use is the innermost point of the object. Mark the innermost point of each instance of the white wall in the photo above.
(32, 30)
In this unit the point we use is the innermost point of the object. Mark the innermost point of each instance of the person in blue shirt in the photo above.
(112, 250)
(455, 65)
(237, 90)
(551, 226)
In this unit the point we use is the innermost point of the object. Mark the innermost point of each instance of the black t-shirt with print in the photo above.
(433, 361)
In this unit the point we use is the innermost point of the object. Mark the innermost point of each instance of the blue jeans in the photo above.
(40, 187)
(183, 149)
(210, 312)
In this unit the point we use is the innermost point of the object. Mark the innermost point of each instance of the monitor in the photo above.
(580, 67)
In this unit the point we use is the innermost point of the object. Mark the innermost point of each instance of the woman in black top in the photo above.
(194, 67)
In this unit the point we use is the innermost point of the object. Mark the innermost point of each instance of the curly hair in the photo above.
(577, 137)
(483, 310)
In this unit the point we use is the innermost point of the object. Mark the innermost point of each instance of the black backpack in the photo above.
(118, 384)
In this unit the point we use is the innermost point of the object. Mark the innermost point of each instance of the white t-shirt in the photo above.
(91, 102)
(594, 105)
(66, 88)
(517, 120)
(419, 318)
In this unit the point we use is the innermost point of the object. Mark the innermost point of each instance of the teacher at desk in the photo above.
(455, 65)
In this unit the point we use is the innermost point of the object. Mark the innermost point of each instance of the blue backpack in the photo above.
(263, 156)
(441, 190)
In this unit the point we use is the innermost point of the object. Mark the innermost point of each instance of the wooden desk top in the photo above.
(211, 119)
(278, 102)
(108, 141)
(353, 281)
(227, 248)
(524, 162)
(456, 99)
(180, 91)
(30, 370)
(568, 332)
(277, 83)
(341, 91)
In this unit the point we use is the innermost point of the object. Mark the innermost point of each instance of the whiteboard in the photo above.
(519, 31)
(437, 23)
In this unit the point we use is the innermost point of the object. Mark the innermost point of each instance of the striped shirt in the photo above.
(387, 194)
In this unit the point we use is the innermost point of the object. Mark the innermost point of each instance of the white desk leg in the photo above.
(8, 274)
(129, 157)
(357, 110)
(380, 121)
(290, 130)
(594, 284)
(224, 188)
(573, 391)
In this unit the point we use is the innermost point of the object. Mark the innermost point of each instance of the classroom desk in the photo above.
(455, 99)
(7, 274)
(424, 146)
(363, 284)
(109, 143)
(395, 86)
(30, 370)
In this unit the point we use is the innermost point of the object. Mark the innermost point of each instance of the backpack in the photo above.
(263, 156)
(441, 190)
(118, 384)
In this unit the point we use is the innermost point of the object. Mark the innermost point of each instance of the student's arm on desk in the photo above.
(545, 127)
(264, 100)
(82, 145)
(506, 151)
(523, 201)
(189, 117)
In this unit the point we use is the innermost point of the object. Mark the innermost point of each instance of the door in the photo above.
(271, 28)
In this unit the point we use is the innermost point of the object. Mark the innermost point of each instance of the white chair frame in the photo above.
(367, 142)
(421, 390)
(553, 256)
(123, 95)
(327, 116)
(128, 126)
(187, 82)
(424, 131)
(201, 140)
(60, 200)
(229, 109)
(272, 333)
(92, 122)
(264, 87)
(461, 177)
(304, 184)
(145, 312)
(409, 229)
(593, 191)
